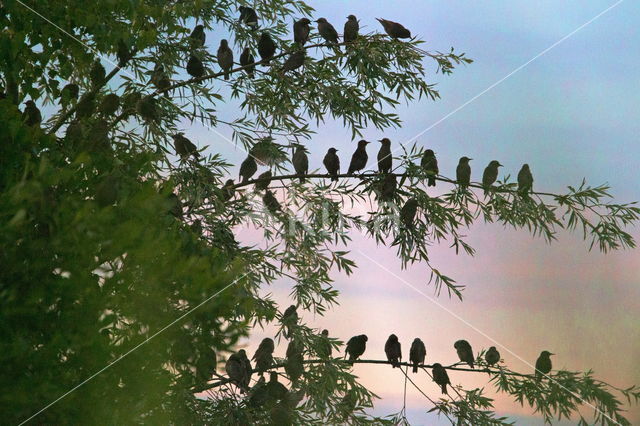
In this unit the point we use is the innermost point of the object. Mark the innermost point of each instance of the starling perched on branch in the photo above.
(359, 158)
(97, 74)
(238, 368)
(356, 346)
(225, 58)
(294, 61)
(385, 160)
(388, 188)
(294, 366)
(248, 168)
(331, 162)
(264, 355)
(248, 16)
(271, 203)
(195, 67)
(123, 53)
(69, 94)
(197, 36)
(261, 186)
(301, 31)
(228, 191)
(326, 30)
(393, 350)
(490, 175)
(86, 105)
(465, 353)
(463, 172)
(417, 354)
(525, 180)
(31, 115)
(441, 377)
(351, 28)
(109, 104)
(492, 356)
(147, 110)
(430, 165)
(266, 48)
(247, 59)
(159, 78)
(184, 147)
(408, 212)
(324, 348)
(543, 364)
(289, 318)
(394, 29)
(300, 162)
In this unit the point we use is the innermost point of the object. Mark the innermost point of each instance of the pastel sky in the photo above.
(571, 114)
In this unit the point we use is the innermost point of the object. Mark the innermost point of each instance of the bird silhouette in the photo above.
(184, 147)
(417, 353)
(393, 350)
(351, 29)
(248, 168)
(31, 116)
(394, 29)
(388, 187)
(324, 348)
(238, 368)
(225, 58)
(261, 186)
(264, 355)
(429, 164)
(301, 31)
(465, 353)
(97, 74)
(356, 346)
(300, 162)
(228, 191)
(266, 48)
(289, 319)
(294, 61)
(492, 356)
(490, 175)
(246, 58)
(248, 16)
(463, 172)
(359, 158)
(69, 93)
(525, 180)
(408, 212)
(197, 37)
(109, 104)
(326, 31)
(441, 377)
(159, 78)
(195, 67)
(271, 202)
(294, 365)
(543, 364)
(385, 160)
(331, 162)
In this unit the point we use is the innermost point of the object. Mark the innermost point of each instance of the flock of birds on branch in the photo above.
(240, 370)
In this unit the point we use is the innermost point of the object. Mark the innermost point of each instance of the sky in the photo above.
(550, 86)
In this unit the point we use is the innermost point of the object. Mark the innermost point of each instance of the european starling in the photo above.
(195, 67)
(525, 180)
(277, 391)
(109, 104)
(393, 350)
(69, 94)
(327, 31)
(543, 364)
(261, 186)
(351, 28)
(324, 348)
(228, 191)
(441, 377)
(356, 346)
(123, 53)
(465, 353)
(146, 108)
(247, 366)
(197, 36)
(159, 78)
(331, 162)
(31, 115)
(301, 31)
(359, 158)
(184, 147)
(236, 369)
(463, 172)
(300, 162)
(266, 48)
(247, 59)
(271, 203)
(248, 16)
(408, 212)
(430, 165)
(264, 355)
(248, 168)
(394, 29)
(490, 175)
(97, 74)
(225, 58)
(294, 366)
(417, 354)
(86, 105)
(385, 160)
(289, 318)
(294, 61)
(388, 188)
(492, 356)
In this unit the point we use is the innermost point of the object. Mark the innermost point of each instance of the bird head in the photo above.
(265, 35)
(546, 354)
(224, 43)
(437, 365)
(362, 143)
(321, 21)
(352, 18)
(364, 337)
(525, 166)
(385, 141)
(229, 182)
(465, 159)
(429, 153)
(242, 353)
(492, 348)
(417, 340)
(495, 163)
(461, 343)
(304, 21)
(30, 103)
(325, 332)
(273, 376)
(393, 338)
